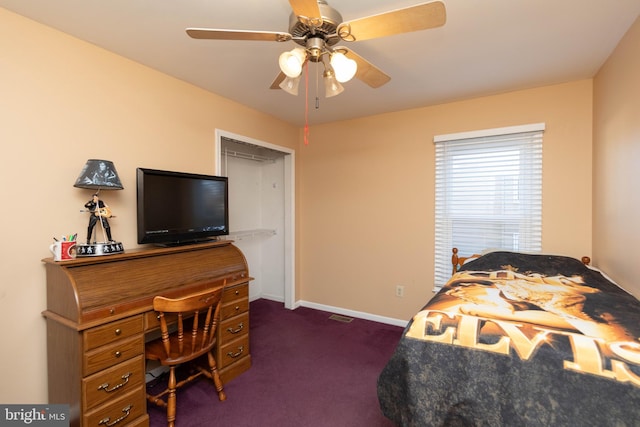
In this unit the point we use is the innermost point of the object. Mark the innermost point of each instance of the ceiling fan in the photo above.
(317, 28)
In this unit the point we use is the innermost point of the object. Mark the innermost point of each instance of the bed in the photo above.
(518, 339)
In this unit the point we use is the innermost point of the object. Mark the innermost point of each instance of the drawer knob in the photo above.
(118, 354)
(237, 292)
(106, 421)
(118, 331)
(105, 387)
(237, 307)
(237, 330)
(237, 354)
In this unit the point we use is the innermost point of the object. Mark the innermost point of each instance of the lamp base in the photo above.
(99, 249)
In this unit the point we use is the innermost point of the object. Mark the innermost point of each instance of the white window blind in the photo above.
(488, 193)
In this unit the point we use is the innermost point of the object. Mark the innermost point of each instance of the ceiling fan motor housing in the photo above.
(303, 29)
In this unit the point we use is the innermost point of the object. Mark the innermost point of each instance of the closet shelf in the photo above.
(249, 234)
(248, 156)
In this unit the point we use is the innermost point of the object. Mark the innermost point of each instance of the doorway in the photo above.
(261, 211)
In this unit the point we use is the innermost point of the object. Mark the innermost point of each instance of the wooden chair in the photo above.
(188, 327)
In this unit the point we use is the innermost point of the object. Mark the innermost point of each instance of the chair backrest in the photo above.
(196, 318)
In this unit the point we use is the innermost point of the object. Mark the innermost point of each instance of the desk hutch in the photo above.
(100, 308)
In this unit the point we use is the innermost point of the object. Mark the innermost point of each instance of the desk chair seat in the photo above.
(188, 331)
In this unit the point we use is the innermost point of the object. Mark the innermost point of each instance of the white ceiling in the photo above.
(486, 47)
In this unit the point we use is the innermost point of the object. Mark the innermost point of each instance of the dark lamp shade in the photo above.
(97, 175)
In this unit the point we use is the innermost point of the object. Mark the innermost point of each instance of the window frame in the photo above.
(525, 145)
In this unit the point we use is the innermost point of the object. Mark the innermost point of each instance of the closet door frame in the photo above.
(289, 202)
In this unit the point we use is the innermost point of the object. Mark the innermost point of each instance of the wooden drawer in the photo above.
(233, 351)
(235, 369)
(126, 409)
(236, 292)
(113, 382)
(151, 320)
(140, 422)
(234, 327)
(234, 308)
(105, 334)
(109, 355)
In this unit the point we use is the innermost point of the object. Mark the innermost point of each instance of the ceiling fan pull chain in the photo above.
(306, 103)
(317, 88)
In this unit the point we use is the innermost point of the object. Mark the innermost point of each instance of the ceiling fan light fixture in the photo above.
(332, 87)
(343, 67)
(317, 27)
(290, 85)
(291, 62)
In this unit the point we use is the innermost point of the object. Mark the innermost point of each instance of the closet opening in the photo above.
(261, 215)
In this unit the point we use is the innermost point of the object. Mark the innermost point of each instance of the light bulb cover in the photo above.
(343, 67)
(291, 62)
(290, 85)
(331, 86)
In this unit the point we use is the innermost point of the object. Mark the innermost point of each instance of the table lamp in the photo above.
(98, 175)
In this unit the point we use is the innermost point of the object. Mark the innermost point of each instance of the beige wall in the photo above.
(617, 163)
(364, 187)
(63, 101)
(367, 190)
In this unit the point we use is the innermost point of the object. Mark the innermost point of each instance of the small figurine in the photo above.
(98, 210)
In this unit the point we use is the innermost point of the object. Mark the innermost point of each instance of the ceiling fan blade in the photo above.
(307, 9)
(367, 72)
(413, 18)
(215, 34)
(279, 79)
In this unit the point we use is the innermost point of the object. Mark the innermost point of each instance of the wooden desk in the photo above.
(99, 308)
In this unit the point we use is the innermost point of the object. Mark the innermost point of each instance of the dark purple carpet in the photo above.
(307, 370)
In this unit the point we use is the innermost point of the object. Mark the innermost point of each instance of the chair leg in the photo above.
(171, 399)
(216, 377)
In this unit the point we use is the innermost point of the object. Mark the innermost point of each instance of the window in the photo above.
(488, 193)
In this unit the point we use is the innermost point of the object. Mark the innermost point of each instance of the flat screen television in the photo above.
(175, 208)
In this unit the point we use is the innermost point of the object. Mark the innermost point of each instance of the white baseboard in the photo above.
(353, 313)
(269, 297)
(338, 310)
